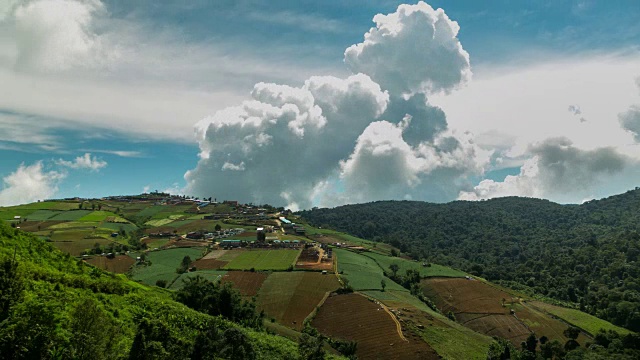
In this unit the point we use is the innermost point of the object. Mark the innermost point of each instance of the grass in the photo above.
(70, 235)
(584, 321)
(97, 216)
(179, 223)
(211, 275)
(149, 211)
(76, 247)
(158, 222)
(8, 214)
(456, 342)
(362, 272)
(157, 243)
(163, 265)
(71, 215)
(434, 270)
(264, 260)
(351, 240)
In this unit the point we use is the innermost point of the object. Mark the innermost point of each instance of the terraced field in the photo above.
(352, 317)
(248, 283)
(362, 272)
(210, 275)
(119, 265)
(433, 270)
(487, 310)
(259, 259)
(289, 297)
(163, 265)
(584, 321)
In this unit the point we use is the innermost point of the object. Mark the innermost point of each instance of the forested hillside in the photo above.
(582, 254)
(53, 306)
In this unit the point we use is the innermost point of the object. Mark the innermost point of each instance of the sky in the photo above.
(323, 103)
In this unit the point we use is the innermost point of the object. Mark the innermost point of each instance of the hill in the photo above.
(321, 291)
(55, 307)
(584, 256)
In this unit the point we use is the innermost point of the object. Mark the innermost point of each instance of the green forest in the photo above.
(582, 256)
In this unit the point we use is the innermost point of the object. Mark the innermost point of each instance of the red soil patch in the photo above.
(209, 264)
(462, 295)
(119, 265)
(352, 317)
(248, 283)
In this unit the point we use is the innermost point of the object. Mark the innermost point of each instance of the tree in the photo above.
(184, 265)
(236, 345)
(572, 333)
(383, 284)
(394, 269)
(161, 283)
(11, 286)
(92, 331)
(531, 343)
(311, 347)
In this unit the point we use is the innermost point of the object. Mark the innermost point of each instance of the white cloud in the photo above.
(559, 171)
(85, 161)
(630, 121)
(28, 184)
(414, 49)
(121, 153)
(53, 35)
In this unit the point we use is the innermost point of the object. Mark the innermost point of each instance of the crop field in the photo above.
(264, 260)
(71, 215)
(289, 297)
(116, 226)
(209, 264)
(248, 283)
(76, 247)
(97, 216)
(330, 236)
(119, 265)
(163, 265)
(433, 270)
(78, 225)
(178, 223)
(211, 275)
(40, 215)
(589, 323)
(71, 235)
(478, 306)
(362, 272)
(158, 222)
(34, 226)
(215, 254)
(153, 243)
(350, 317)
(148, 211)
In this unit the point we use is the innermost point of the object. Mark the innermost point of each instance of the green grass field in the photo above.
(351, 240)
(264, 260)
(117, 226)
(179, 223)
(211, 275)
(163, 265)
(589, 323)
(362, 272)
(97, 216)
(74, 225)
(71, 215)
(432, 271)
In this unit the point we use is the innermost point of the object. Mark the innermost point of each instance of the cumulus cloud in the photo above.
(630, 121)
(53, 35)
(556, 170)
(28, 184)
(373, 134)
(85, 161)
(413, 50)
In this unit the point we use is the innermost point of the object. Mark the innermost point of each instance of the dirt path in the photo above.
(393, 317)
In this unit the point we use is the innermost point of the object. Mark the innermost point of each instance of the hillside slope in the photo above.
(54, 306)
(582, 255)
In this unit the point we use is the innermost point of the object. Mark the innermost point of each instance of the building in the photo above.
(231, 243)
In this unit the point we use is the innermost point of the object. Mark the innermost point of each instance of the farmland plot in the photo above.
(163, 265)
(289, 297)
(264, 260)
(119, 265)
(351, 317)
(362, 272)
(248, 283)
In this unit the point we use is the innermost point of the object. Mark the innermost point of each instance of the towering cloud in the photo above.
(372, 135)
(414, 50)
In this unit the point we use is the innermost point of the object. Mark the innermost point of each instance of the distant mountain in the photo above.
(586, 255)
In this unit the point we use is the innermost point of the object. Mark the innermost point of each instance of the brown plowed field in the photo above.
(248, 283)
(214, 254)
(119, 265)
(353, 317)
(209, 264)
(33, 226)
(289, 297)
(478, 306)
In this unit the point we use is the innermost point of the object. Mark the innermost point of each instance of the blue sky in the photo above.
(535, 94)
